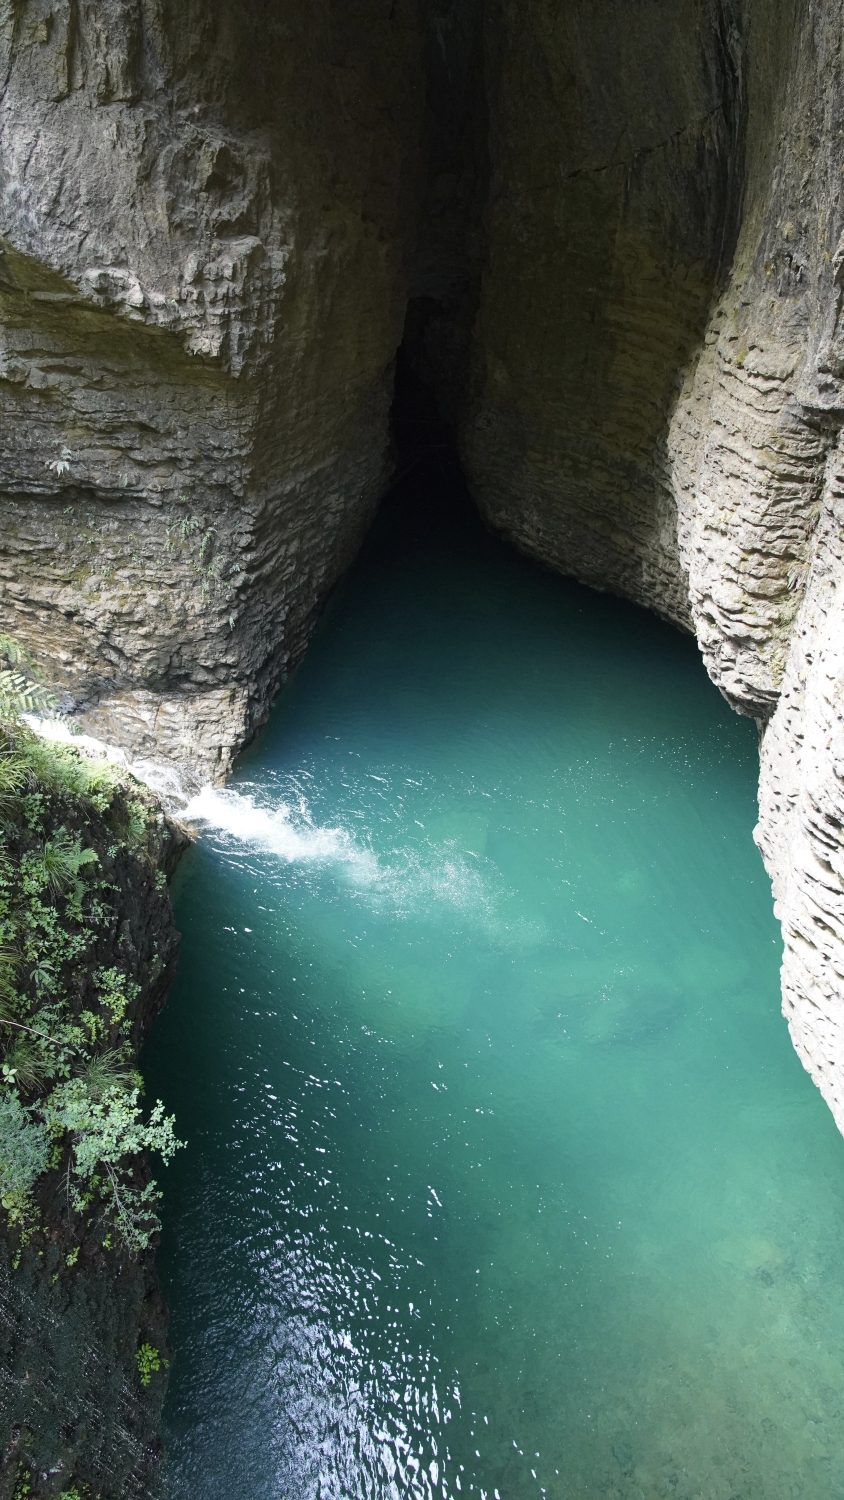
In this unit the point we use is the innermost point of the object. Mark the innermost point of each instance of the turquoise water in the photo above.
(502, 1175)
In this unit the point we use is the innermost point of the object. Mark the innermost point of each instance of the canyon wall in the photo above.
(656, 395)
(203, 219)
(610, 230)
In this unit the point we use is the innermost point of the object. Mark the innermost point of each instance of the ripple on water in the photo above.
(503, 1179)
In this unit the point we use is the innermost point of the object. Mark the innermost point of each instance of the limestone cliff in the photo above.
(201, 293)
(618, 228)
(657, 393)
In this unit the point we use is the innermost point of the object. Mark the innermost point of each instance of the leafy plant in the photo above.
(137, 823)
(24, 1155)
(58, 768)
(116, 992)
(196, 536)
(61, 860)
(20, 695)
(23, 1483)
(103, 1132)
(149, 1362)
(20, 691)
(68, 1096)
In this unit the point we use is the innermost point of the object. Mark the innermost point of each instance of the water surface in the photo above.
(502, 1175)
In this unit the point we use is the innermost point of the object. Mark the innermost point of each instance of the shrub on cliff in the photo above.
(24, 1153)
(69, 1098)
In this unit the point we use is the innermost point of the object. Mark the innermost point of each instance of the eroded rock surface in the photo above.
(619, 227)
(204, 211)
(657, 401)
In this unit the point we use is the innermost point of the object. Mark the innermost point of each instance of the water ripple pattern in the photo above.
(502, 1178)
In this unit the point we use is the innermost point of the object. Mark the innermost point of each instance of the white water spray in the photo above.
(409, 879)
(161, 778)
(288, 832)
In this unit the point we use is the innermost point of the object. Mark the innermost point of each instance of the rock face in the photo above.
(657, 398)
(757, 438)
(618, 230)
(203, 211)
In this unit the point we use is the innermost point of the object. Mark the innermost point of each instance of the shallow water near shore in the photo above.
(502, 1176)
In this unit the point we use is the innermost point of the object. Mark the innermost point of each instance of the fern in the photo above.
(61, 860)
(12, 651)
(20, 695)
(20, 690)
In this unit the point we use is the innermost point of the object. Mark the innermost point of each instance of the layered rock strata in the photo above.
(203, 211)
(657, 397)
(619, 226)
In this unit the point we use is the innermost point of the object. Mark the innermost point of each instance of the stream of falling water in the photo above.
(502, 1177)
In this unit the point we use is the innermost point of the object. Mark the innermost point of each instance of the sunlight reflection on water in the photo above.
(502, 1176)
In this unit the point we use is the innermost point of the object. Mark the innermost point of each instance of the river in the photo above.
(502, 1176)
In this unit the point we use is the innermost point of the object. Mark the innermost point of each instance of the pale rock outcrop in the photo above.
(204, 210)
(801, 806)
(758, 484)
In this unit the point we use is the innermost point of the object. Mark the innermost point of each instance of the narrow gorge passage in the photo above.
(503, 1177)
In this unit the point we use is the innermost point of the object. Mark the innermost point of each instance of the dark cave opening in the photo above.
(428, 502)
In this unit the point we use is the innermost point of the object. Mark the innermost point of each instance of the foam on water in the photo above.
(409, 880)
(285, 831)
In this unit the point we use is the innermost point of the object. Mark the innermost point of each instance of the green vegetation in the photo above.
(149, 1362)
(23, 1487)
(194, 537)
(20, 690)
(70, 1100)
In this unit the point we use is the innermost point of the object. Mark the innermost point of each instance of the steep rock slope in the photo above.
(757, 475)
(203, 212)
(608, 218)
(618, 226)
(657, 398)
